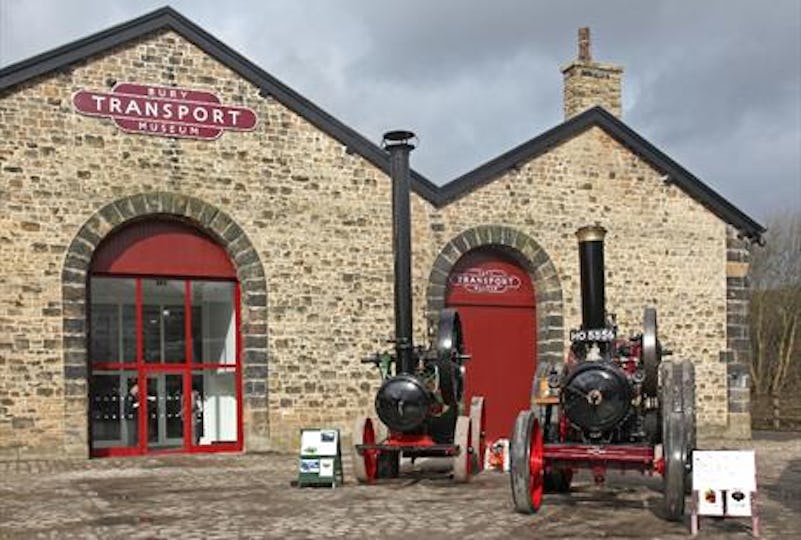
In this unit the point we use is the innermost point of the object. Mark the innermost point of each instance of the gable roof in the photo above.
(438, 196)
(614, 127)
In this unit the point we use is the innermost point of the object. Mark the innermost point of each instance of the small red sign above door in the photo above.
(491, 280)
(165, 111)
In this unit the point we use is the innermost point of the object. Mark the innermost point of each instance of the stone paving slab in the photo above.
(249, 496)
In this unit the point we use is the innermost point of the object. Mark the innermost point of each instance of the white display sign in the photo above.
(327, 468)
(321, 442)
(320, 458)
(310, 466)
(725, 481)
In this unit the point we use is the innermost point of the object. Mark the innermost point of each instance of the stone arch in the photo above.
(527, 252)
(253, 306)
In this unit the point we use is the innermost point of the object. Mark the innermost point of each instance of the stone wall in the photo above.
(738, 335)
(318, 220)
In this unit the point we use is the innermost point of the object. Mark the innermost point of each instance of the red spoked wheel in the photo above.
(478, 439)
(535, 461)
(365, 465)
(463, 461)
(527, 463)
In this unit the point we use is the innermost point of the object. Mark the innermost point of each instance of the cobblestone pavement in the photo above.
(249, 496)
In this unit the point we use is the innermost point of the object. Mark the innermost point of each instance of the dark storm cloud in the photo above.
(715, 84)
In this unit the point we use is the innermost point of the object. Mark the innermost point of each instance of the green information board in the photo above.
(320, 461)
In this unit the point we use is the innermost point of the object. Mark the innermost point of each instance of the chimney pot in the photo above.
(584, 54)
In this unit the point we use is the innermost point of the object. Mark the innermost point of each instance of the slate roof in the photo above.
(439, 196)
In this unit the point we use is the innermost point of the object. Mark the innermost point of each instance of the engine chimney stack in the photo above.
(591, 264)
(399, 146)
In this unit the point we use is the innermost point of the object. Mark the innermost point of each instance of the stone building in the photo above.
(196, 257)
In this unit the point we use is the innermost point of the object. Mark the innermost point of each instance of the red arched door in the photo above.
(164, 351)
(495, 299)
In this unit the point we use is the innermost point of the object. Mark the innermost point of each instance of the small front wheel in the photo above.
(365, 465)
(527, 463)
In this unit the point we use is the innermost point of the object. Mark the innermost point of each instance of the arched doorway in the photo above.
(495, 299)
(164, 342)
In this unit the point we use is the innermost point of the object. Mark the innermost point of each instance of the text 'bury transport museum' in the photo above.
(196, 258)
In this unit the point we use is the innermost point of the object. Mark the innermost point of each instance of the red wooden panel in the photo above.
(495, 300)
(162, 248)
(501, 343)
(489, 277)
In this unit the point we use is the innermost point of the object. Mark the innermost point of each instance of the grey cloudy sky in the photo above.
(715, 84)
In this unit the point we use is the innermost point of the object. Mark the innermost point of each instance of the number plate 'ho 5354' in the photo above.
(594, 334)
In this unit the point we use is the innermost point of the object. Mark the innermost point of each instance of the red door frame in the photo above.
(186, 368)
(167, 249)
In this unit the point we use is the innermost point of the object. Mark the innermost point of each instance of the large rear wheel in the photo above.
(688, 399)
(688, 403)
(675, 452)
(670, 391)
(675, 437)
(478, 440)
(527, 463)
(462, 462)
(450, 348)
(450, 344)
(651, 352)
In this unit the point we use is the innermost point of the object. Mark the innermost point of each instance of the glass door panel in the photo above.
(163, 324)
(173, 408)
(165, 419)
(215, 418)
(114, 409)
(213, 322)
(113, 320)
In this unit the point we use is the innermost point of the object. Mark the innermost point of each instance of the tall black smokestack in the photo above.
(591, 262)
(399, 147)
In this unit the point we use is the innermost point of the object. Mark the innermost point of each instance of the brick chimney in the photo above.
(588, 83)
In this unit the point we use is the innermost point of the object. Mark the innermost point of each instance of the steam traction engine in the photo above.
(420, 402)
(614, 403)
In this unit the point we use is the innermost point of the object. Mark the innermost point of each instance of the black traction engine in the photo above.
(419, 403)
(613, 403)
